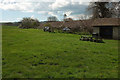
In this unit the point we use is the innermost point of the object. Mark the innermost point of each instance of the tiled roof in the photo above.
(70, 24)
(106, 22)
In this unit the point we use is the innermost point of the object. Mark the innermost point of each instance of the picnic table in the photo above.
(91, 38)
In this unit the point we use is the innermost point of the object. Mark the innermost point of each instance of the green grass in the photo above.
(32, 53)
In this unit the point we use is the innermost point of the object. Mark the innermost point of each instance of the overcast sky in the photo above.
(15, 10)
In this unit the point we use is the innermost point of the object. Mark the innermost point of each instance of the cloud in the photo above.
(73, 10)
(18, 19)
(32, 17)
(25, 7)
(52, 14)
(32, 6)
(47, 7)
(80, 16)
(59, 4)
(68, 13)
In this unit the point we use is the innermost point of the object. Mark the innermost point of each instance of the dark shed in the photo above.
(107, 27)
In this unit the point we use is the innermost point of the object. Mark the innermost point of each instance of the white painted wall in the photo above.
(115, 32)
(96, 30)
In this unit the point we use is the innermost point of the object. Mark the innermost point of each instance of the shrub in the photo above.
(29, 23)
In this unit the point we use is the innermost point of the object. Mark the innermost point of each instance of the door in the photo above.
(106, 32)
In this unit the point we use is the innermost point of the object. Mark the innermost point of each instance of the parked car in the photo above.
(66, 29)
(46, 28)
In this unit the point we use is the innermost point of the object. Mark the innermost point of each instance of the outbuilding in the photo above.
(108, 28)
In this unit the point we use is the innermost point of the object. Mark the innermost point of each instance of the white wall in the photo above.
(116, 32)
(96, 30)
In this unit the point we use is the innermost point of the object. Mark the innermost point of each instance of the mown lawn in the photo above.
(32, 53)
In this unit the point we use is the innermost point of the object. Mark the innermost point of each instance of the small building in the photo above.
(108, 28)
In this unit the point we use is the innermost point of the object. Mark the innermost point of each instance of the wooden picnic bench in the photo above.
(92, 39)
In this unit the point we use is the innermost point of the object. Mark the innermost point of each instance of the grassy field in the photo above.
(32, 53)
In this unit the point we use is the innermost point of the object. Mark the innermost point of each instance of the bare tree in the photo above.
(115, 9)
(52, 18)
(104, 9)
(100, 9)
(85, 24)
